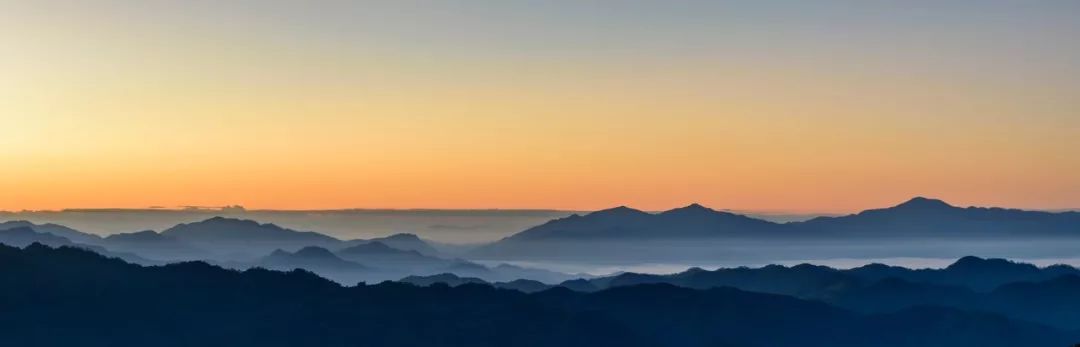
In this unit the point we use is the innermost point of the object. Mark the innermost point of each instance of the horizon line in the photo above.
(241, 209)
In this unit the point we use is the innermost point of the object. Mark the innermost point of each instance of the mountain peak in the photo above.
(16, 223)
(312, 251)
(973, 263)
(138, 235)
(692, 208)
(372, 247)
(401, 237)
(924, 203)
(618, 211)
(227, 220)
(277, 253)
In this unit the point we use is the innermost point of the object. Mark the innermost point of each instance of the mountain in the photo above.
(154, 245)
(138, 246)
(452, 280)
(317, 260)
(24, 236)
(395, 263)
(385, 257)
(55, 229)
(241, 238)
(444, 278)
(379, 249)
(628, 234)
(972, 272)
(508, 272)
(403, 241)
(1049, 295)
(931, 217)
(309, 258)
(98, 301)
(805, 280)
(820, 282)
(696, 234)
(380, 255)
(1053, 302)
(693, 221)
(918, 216)
(524, 286)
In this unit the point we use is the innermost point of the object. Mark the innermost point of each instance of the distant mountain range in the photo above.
(916, 217)
(691, 234)
(55, 229)
(19, 235)
(930, 217)
(241, 244)
(608, 230)
(69, 296)
(217, 237)
(239, 238)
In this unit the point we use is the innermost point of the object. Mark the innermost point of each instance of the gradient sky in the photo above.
(750, 105)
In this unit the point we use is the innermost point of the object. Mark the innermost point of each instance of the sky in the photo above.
(814, 106)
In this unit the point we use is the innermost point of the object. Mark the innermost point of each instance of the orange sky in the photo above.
(560, 107)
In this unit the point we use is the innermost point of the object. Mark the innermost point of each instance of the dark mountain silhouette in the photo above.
(972, 272)
(694, 221)
(918, 216)
(55, 229)
(697, 233)
(931, 217)
(524, 286)
(449, 279)
(579, 285)
(70, 296)
(893, 294)
(809, 281)
(812, 281)
(145, 236)
(443, 278)
(1053, 302)
(1048, 295)
(1018, 290)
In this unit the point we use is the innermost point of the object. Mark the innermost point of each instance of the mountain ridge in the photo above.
(918, 216)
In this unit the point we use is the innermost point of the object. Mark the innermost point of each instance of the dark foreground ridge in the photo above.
(1048, 295)
(68, 296)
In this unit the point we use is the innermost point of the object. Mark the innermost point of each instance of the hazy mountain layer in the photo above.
(242, 244)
